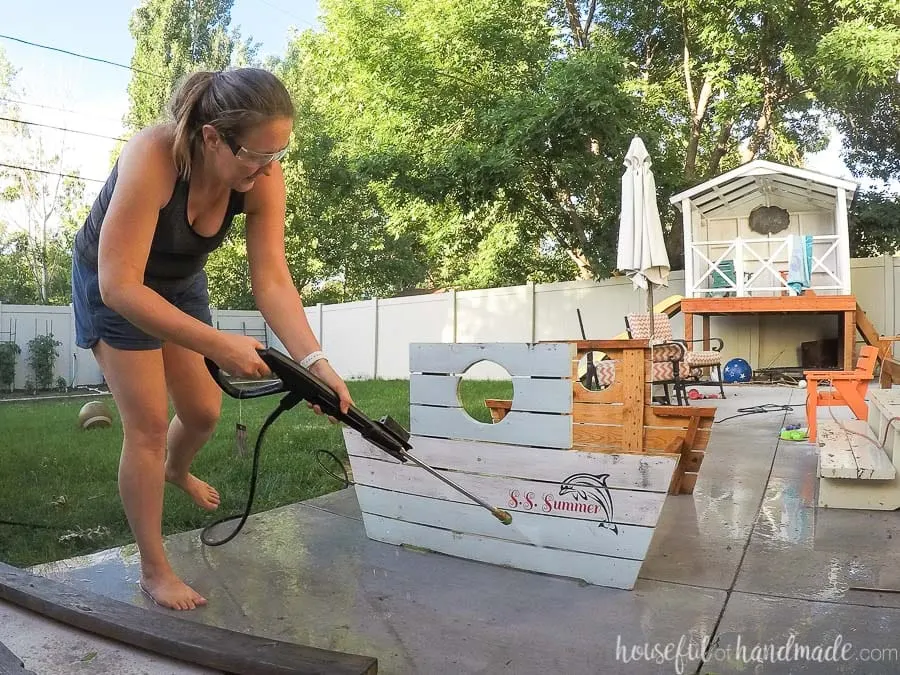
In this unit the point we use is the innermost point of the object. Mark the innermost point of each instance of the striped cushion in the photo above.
(703, 358)
(639, 326)
(669, 351)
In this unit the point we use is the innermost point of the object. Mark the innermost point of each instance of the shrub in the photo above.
(9, 351)
(42, 355)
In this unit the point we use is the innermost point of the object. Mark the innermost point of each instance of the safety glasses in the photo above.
(251, 156)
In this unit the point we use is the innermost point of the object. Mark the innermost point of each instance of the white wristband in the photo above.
(312, 358)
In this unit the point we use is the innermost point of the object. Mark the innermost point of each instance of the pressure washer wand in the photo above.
(385, 434)
(501, 515)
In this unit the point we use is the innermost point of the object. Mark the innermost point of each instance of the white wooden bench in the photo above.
(857, 471)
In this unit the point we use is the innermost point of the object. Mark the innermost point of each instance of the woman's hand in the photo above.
(237, 355)
(323, 370)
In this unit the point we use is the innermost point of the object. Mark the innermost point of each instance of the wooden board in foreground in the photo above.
(10, 664)
(170, 635)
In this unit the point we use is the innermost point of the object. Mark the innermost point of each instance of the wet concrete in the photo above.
(746, 556)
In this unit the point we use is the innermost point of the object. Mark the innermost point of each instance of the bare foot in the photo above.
(171, 592)
(203, 494)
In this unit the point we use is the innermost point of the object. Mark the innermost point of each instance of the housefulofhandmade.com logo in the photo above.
(686, 651)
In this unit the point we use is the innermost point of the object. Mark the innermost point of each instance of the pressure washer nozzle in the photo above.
(503, 516)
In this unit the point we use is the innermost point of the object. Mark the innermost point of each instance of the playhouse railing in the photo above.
(738, 268)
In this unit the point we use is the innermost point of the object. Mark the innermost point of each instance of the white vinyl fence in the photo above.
(371, 338)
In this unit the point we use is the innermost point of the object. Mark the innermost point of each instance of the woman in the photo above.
(140, 292)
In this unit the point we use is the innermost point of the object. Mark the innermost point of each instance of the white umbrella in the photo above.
(642, 250)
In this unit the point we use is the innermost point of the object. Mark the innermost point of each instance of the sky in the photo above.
(94, 95)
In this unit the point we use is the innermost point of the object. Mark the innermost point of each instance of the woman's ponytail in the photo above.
(183, 109)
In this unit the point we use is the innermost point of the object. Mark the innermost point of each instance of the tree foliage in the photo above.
(173, 38)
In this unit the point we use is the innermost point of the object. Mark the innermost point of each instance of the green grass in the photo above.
(54, 474)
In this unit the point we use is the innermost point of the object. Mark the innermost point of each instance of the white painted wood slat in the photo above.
(529, 394)
(627, 470)
(594, 569)
(582, 497)
(519, 359)
(625, 541)
(844, 454)
(518, 428)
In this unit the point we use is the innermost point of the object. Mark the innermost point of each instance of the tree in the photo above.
(38, 215)
(733, 81)
(43, 209)
(874, 220)
(465, 115)
(173, 38)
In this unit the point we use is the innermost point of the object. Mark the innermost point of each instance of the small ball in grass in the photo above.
(94, 415)
(802, 384)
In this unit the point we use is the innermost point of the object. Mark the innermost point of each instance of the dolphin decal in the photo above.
(591, 487)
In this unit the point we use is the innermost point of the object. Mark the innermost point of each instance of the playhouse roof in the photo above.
(747, 182)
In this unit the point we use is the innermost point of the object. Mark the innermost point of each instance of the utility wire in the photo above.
(50, 126)
(51, 173)
(281, 9)
(82, 56)
(53, 107)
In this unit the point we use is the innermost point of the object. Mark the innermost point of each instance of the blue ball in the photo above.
(737, 370)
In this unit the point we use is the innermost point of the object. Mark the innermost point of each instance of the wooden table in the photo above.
(844, 306)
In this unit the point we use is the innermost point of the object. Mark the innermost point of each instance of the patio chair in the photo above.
(724, 277)
(691, 364)
(848, 388)
(666, 363)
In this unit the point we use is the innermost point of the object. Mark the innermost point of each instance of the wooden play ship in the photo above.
(585, 474)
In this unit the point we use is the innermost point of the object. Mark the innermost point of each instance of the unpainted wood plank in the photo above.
(10, 664)
(690, 436)
(169, 635)
(612, 394)
(628, 471)
(688, 483)
(529, 394)
(684, 411)
(611, 413)
(769, 304)
(610, 345)
(890, 372)
(516, 428)
(549, 359)
(633, 400)
(532, 527)
(628, 507)
(593, 569)
(655, 439)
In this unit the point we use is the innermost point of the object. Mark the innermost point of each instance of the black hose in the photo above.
(758, 409)
(286, 404)
(37, 526)
(346, 479)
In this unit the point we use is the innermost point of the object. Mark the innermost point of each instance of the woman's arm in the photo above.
(146, 177)
(143, 186)
(273, 288)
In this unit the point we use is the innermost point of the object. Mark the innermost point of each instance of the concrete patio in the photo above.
(745, 562)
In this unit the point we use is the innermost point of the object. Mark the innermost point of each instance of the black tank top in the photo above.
(177, 252)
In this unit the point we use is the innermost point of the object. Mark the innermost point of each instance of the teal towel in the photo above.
(800, 263)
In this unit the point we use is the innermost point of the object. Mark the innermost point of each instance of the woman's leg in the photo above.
(198, 401)
(137, 381)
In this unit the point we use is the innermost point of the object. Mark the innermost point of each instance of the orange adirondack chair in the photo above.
(848, 388)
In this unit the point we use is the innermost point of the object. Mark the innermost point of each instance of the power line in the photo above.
(82, 56)
(280, 9)
(52, 173)
(50, 126)
(53, 107)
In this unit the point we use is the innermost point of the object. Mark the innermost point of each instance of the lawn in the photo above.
(58, 488)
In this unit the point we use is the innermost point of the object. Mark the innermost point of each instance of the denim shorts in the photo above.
(95, 321)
